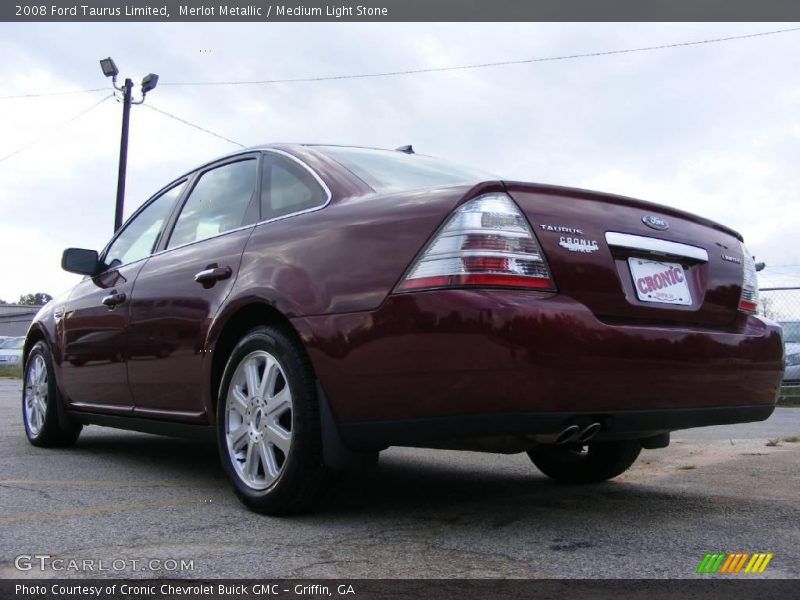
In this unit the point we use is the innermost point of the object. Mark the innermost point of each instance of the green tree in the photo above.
(36, 299)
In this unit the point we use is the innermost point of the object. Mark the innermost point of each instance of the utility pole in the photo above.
(123, 153)
(148, 83)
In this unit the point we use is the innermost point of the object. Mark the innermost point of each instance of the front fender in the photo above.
(44, 328)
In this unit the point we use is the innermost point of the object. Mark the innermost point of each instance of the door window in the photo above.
(140, 236)
(287, 187)
(218, 203)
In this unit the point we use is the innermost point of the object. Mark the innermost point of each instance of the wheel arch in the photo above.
(226, 332)
(336, 454)
(35, 334)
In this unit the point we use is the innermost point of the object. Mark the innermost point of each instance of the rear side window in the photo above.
(394, 171)
(140, 235)
(287, 187)
(218, 203)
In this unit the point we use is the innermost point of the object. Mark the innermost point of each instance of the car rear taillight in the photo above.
(749, 300)
(486, 242)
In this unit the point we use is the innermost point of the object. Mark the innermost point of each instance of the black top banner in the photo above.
(399, 10)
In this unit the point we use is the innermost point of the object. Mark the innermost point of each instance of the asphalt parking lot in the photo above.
(421, 513)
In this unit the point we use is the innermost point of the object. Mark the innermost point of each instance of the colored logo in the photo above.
(655, 222)
(735, 562)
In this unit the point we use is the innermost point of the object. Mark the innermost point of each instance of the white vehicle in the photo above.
(791, 339)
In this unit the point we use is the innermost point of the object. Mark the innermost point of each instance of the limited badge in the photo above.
(732, 259)
(574, 244)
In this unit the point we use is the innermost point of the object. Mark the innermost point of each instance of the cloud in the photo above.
(713, 129)
(33, 268)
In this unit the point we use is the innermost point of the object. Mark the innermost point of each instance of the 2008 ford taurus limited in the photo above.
(312, 305)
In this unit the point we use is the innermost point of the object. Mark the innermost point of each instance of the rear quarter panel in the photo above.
(346, 257)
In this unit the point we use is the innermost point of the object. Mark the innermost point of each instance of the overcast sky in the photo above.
(714, 129)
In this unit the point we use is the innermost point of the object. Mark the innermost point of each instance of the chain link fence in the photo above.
(782, 304)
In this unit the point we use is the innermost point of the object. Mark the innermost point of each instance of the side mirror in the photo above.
(81, 261)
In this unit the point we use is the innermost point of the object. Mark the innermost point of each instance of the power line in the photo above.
(780, 271)
(185, 122)
(435, 69)
(486, 65)
(62, 93)
(57, 128)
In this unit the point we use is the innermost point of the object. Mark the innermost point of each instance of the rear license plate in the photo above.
(662, 282)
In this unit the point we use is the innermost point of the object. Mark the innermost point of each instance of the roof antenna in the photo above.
(408, 149)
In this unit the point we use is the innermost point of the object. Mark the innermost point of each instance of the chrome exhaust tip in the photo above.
(588, 433)
(568, 434)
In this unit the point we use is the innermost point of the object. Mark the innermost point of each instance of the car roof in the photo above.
(283, 147)
(288, 147)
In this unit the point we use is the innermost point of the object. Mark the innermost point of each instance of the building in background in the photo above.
(16, 318)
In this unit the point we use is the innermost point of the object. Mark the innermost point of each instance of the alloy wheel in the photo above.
(36, 394)
(258, 419)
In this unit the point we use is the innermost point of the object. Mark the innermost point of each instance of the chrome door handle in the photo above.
(113, 299)
(212, 274)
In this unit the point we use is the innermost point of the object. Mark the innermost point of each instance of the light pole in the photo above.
(148, 83)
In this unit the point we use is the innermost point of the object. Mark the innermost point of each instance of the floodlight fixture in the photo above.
(149, 83)
(109, 67)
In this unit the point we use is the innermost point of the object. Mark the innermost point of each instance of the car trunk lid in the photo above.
(634, 260)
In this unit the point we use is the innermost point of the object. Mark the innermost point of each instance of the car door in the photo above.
(183, 285)
(95, 316)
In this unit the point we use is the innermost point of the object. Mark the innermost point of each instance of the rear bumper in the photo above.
(633, 424)
(498, 355)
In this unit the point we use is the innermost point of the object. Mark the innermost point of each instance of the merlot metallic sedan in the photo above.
(311, 305)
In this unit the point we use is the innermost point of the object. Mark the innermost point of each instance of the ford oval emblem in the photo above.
(655, 222)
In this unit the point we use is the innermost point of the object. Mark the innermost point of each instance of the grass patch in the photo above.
(686, 467)
(789, 397)
(792, 439)
(773, 443)
(6, 371)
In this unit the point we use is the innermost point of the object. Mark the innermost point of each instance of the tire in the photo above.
(269, 438)
(585, 463)
(41, 400)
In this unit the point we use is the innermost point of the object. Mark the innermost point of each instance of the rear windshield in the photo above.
(393, 171)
